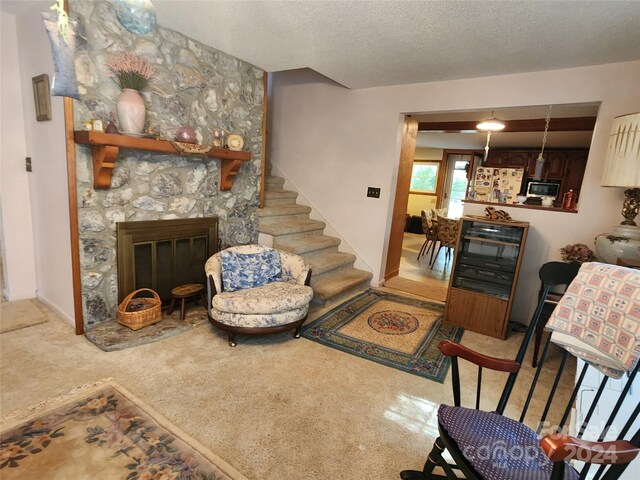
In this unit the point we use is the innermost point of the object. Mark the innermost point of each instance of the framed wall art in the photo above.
(42, 97)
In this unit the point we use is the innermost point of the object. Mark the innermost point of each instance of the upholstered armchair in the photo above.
(253, 289)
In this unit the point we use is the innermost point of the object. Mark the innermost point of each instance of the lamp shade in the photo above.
(622, 163)
(491, 124)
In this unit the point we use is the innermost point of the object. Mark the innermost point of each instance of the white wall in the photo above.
(333, 142)
(15, 202)
(45, 144)
(418, 203)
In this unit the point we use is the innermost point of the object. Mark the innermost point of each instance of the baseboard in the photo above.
(70, 320)
(15, 298)
(389, 275)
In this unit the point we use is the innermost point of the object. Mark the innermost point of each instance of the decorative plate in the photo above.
(192, 148)
(137, 16)
(235, 142)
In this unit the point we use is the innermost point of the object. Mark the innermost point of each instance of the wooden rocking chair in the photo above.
(489, 446)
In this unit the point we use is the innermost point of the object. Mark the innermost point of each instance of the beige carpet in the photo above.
(21, 314)
(274, 407)
(102, 431)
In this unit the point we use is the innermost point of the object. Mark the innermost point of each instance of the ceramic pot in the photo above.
(624, 242)
(131, 111)
(186, 135)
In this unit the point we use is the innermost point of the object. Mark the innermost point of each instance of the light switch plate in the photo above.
(373, 192)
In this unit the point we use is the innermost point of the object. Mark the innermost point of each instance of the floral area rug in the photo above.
(101, 431)
(111, 336)
(396, 331)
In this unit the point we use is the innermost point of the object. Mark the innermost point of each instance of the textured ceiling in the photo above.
(374, 43)
(384, 42)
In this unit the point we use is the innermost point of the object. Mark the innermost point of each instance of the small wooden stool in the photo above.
(185, 292)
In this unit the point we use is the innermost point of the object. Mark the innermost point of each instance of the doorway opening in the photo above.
(454, 142)
(438, 186)
(459, 165)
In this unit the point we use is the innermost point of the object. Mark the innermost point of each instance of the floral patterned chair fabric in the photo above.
(273, 307)
(447, 235)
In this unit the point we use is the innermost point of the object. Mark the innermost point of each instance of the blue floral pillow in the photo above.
(249, 270)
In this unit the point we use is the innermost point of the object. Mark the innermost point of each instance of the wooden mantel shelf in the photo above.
(105, 148)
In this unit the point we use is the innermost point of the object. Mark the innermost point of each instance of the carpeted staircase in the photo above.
(293, 231)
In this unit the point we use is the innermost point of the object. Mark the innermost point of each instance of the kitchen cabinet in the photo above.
(484, 276)
(555, 160)
(576, 165)
(554, 164)
(507, 158)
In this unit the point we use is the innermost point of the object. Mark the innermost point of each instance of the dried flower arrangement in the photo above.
(578, 252)
(130, 70)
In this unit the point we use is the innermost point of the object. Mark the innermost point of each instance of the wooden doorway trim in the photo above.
(73, 215)
(396, 235)
(67, 103)
(265, 85)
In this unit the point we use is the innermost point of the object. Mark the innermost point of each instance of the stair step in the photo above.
(301, 246)
(334, 283)
(273, 183)
(326, 261)
(281, 194)
(290, 227)
(293, 231)
(282, 197)
(264, 222)
(282, 210)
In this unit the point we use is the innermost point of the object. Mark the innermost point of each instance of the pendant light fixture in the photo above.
(537, 175)
(489, 125)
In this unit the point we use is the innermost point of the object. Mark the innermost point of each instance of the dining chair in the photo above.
(552, 275)
(430, 229)
(447, 235)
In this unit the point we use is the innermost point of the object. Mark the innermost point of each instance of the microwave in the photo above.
(543, 189)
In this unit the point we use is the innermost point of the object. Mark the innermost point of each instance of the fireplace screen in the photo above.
(163, 254)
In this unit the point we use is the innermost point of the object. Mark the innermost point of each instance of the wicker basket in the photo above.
(150, 311)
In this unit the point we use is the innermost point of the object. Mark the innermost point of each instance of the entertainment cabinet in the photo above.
(484, 275)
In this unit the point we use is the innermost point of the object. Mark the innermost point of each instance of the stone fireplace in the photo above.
(163, 254)
(195, 85)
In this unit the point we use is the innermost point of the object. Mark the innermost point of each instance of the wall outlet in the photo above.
(373, 192)
(28, 163)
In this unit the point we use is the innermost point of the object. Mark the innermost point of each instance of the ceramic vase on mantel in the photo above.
(131, 111)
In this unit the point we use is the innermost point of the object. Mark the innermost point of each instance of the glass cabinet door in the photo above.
(487, 258)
